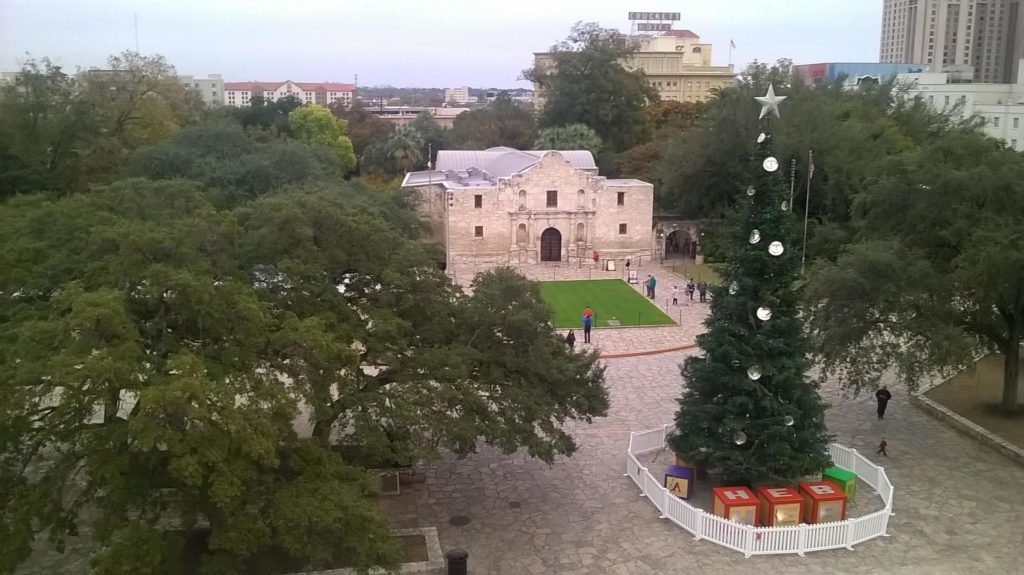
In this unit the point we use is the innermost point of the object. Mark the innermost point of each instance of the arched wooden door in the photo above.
(551, 245)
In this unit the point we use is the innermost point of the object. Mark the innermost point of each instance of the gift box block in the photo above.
(780, 506)
(736, 503)
(824, 502)
(701, 473)
(679, 480)
(844, 478)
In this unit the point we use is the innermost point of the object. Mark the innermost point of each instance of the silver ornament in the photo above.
(740, 438)
(788, 420)
(762, 137)
(764, 313)
(734, 288)
(754, 372)
(770, 164)
(751, 191)
(775, 248)
(785, 206)
(755, 236)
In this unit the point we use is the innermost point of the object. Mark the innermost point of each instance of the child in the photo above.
(881, 448)
(690, 288)
(675, 295)
(570, 340)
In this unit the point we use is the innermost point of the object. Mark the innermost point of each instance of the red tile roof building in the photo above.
(323, 93)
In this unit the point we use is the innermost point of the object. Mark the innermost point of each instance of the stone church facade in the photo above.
(510, 206)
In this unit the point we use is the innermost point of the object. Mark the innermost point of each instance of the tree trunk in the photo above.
(1011, 370)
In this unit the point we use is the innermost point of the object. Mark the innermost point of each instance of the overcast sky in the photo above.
(480, 43)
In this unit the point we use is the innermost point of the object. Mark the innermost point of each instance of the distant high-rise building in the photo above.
(949, 34)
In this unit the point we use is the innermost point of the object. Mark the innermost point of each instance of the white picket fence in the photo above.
(751, 540)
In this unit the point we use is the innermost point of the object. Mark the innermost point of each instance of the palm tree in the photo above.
(570, 137)
(405, 148)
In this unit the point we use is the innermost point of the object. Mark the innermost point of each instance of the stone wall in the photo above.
(513, 214)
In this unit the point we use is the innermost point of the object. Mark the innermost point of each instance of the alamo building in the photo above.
(510, 206)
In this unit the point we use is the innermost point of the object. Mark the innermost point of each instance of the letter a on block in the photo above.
(822, 489)
(736, 494)
(677, 486)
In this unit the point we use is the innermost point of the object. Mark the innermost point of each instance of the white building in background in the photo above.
(1000, 105)
(322, 93)
(458, 96)
(210, 88)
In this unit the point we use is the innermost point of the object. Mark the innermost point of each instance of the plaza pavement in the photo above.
(959, 506)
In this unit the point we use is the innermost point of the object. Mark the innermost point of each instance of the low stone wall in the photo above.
(434, 565)
(964, 425)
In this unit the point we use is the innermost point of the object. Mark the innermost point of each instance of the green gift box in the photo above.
(844, 478)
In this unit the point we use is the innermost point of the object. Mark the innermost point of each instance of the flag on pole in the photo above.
(732, 44)
(810, 168)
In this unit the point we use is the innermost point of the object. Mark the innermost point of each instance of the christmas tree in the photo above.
(749, 413)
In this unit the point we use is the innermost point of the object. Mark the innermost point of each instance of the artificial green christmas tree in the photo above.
(749, 413)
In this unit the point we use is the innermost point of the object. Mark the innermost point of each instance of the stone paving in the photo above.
(959, 506)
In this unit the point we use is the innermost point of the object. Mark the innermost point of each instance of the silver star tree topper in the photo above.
(770, 103)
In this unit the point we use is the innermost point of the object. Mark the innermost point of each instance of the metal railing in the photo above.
(751, 540)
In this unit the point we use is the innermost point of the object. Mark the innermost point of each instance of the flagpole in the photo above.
(807, 208)
(792, 182)
(732, 45)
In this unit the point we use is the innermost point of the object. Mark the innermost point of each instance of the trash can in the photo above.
(457, 561)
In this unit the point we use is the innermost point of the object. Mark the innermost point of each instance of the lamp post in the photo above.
(450, 198)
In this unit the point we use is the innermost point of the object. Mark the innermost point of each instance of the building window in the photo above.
(622, 229)
(478, 232)
(620, 198)
(1013, 144)
(1016, 123)
(478, 201)
(995, 121)
(522, 199)
(552, 198)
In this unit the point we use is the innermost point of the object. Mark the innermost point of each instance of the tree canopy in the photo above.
(201, 362)
(503, 122)
(317, 125)
(934, 272)
(571, 137)
(587, 83)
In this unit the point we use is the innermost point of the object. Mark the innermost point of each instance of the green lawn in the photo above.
(702, 272)
(609, 299)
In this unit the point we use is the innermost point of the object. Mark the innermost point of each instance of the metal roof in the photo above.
(504, 162)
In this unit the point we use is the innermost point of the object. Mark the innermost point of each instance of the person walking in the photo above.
(881, 448)
(690, 288)
(675, 295)
(570, 340)
(883, 396)
(654, 282)
(588, 320)
(647, 285)
(703, 289)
